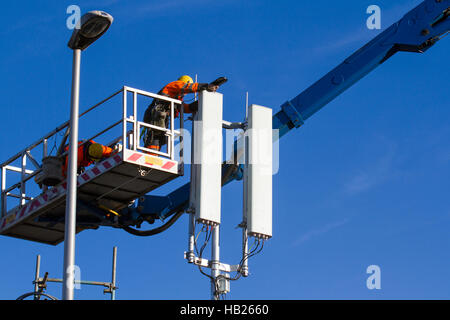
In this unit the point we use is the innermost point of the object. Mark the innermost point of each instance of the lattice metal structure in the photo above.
(40, 283)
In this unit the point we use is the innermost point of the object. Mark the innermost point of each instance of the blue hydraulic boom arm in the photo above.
(417, 31)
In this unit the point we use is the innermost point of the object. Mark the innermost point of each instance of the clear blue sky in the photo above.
(364, 182)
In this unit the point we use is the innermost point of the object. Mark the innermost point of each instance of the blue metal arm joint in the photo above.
(293, 114)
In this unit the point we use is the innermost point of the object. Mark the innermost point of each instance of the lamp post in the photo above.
(92, 26)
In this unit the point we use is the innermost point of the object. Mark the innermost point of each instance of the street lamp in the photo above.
(92, 26)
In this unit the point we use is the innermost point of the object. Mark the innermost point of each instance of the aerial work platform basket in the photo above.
(33, 211)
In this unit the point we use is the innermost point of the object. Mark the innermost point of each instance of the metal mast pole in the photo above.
(71, 201)
(191, 244)
(195, 94)
(215, 260)
(36, 277)
(244, 270)
(113, 280)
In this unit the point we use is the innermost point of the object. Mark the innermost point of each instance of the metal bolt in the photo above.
(425, 32)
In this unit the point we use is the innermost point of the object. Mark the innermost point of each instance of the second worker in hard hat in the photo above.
(158, 111)
(89, 152)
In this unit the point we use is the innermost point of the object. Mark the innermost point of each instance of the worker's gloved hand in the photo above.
(116, 149)
(193, 107)
(212, 88)
(162, 115)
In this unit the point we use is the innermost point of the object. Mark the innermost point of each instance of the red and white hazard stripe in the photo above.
(149, 161)
(56, 192)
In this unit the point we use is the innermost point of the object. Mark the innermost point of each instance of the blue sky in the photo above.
(364, 182)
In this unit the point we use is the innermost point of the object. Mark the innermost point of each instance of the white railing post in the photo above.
(124, 120)
(172, 135)
(45, 154)
(136, 134)
(44, 148)
(3, 196)
(22, 179)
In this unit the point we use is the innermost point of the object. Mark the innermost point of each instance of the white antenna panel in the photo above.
(207, 171)
(258, 175)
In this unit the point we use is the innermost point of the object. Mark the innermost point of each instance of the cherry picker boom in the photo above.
(113, 193)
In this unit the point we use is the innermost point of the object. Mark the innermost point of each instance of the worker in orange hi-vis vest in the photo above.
(158, 112)
(88, 153)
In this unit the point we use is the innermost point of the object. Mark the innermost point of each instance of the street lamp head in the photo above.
(92, 26)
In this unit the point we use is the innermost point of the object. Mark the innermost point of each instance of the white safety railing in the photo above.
(129, 138)
(170, 133)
